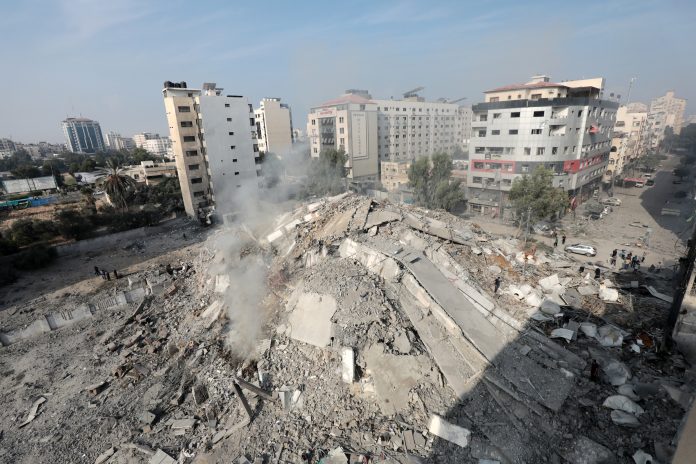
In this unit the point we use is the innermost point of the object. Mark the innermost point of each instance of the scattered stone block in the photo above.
(160, 457)
(200, 393)
(450, 432)
(105, 456)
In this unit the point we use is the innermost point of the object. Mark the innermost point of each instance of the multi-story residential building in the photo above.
(629, 139)
(274, 126)
(114, 141)
(394, 174)
(665, 111)
(155, 144)
(83, 135)
(347, 123)
(7, 148)
(565, 127)
(214, 142)
(406, 129)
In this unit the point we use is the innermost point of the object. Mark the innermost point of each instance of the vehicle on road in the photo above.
(677, 181)
(650, 182)
(647, 176)
(639, 185)
(580, 249)
(611, 201)
(595, 215)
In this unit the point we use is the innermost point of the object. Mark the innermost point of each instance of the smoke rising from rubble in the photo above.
(252, 212)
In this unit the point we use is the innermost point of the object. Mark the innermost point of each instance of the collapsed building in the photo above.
(348, 331)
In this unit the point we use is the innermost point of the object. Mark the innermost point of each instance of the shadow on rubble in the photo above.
(662, 195)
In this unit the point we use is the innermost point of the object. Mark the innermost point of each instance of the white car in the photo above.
(580, 249)
(611, 201)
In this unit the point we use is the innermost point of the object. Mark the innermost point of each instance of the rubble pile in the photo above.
(379, 337)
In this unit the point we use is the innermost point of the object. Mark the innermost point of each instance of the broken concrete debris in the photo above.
(378, 338)
(33, 412)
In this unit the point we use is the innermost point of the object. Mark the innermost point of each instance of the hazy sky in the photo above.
(106, 60)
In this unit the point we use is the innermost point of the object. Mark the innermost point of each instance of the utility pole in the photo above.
(526, 227)
(630, 85)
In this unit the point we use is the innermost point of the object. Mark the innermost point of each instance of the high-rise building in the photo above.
(114, 141)
(348, 123)
(155, 144)
(629, 139)
(406, 129)
(7, 148)
(274, 126)
(83, 135)
(565, 127)
(214, 143)
(665, 111)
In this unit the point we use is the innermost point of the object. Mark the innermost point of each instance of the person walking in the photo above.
(563, 239)
(612, 261)
(613, 253)
(642, 258)
(597, 273)
(115, 274)
(496, 285)
(96, 271)
(555, 242)
(594, 371)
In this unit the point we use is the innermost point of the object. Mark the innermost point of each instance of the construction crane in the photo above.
(413, 93)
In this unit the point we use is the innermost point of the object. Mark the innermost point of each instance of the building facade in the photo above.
(565, 127)
(348, 123)
(83, 135)
(405, 129)
(7, 148)
(665, 111)
(214, 143)
(274, 126)
(114, 141)
(629, 139)
(151, 173)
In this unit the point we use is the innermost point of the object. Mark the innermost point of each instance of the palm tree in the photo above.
(117, 186)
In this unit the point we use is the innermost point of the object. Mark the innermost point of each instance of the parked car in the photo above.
(611, 201)
(639, 185)
(580, 249)
(647, 176)
(595, 215)
(650, 182)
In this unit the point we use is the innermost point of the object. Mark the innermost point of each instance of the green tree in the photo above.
(117, 186)
(140, 154)
(26, 171)
(326, 174)
(536, 195)
(431, 181)
(88, 165)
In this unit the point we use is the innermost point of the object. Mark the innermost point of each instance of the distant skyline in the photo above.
(107, 60)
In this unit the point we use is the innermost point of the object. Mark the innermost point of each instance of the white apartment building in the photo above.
(155, 144)
(665, 111)
(274, 126)
(114, 141)
(565, 127)
(410, 128)
(347, 123)
(629, 139)
(214, 142)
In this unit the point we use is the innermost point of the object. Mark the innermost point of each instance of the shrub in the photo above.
(74, 224)
(35, 257)
(26, 232)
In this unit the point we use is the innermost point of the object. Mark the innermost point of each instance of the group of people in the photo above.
(555, 239)
(628, 259)
(104, 274)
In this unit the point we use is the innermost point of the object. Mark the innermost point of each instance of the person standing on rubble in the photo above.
(597, 273)
(115, 274)
(594, 371)
(563, 239)
(497, 285)
(555, 242)
(96, 271)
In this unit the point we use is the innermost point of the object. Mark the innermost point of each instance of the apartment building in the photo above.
(565, 127)
(155, 144)
(151, 173)
(629, 139)
(115, 141)
(347, 123)
(394, 174)
(665, 111)
(7, 148)
(83, 135)
(274, 126)
(214, 143)
(406, 129)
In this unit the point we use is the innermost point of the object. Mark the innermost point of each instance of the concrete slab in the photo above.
(377, 218)
(310, 320)
(450, 432)
(337, 225)
(394, 376)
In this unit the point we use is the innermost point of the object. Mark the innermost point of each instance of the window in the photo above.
(229, 119)
(554, 150)
(525, 168)
(507, 182)
(314, 122)
(252, 122)
(191, 152)
(540, 151)
(189, 138)
(494, 99)
(197, 194)
(197, 180)
(477, 180)
(515, 114)
(236, 173)
(230, 133)
(512, 132)
(483, 117)
(186, 123)
(535, 96)
(194, 167)
(527, 150)
(538, 114)
(184, 109)
(234, 160)
(495, 132)
(565, 150)
(340, 120)
(536, 131)
(232, 147)
(227, 105)
(482, 133)
(342, 141)
(579, 113)
(315, 151)
(496, 115)
(256, 148)
(341, 130)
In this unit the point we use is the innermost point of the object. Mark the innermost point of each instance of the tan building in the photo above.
(214, 144)
(665, 111)
(274, 126)
(629, 139)
(347, 123)
(394, 174)
(151, 173)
